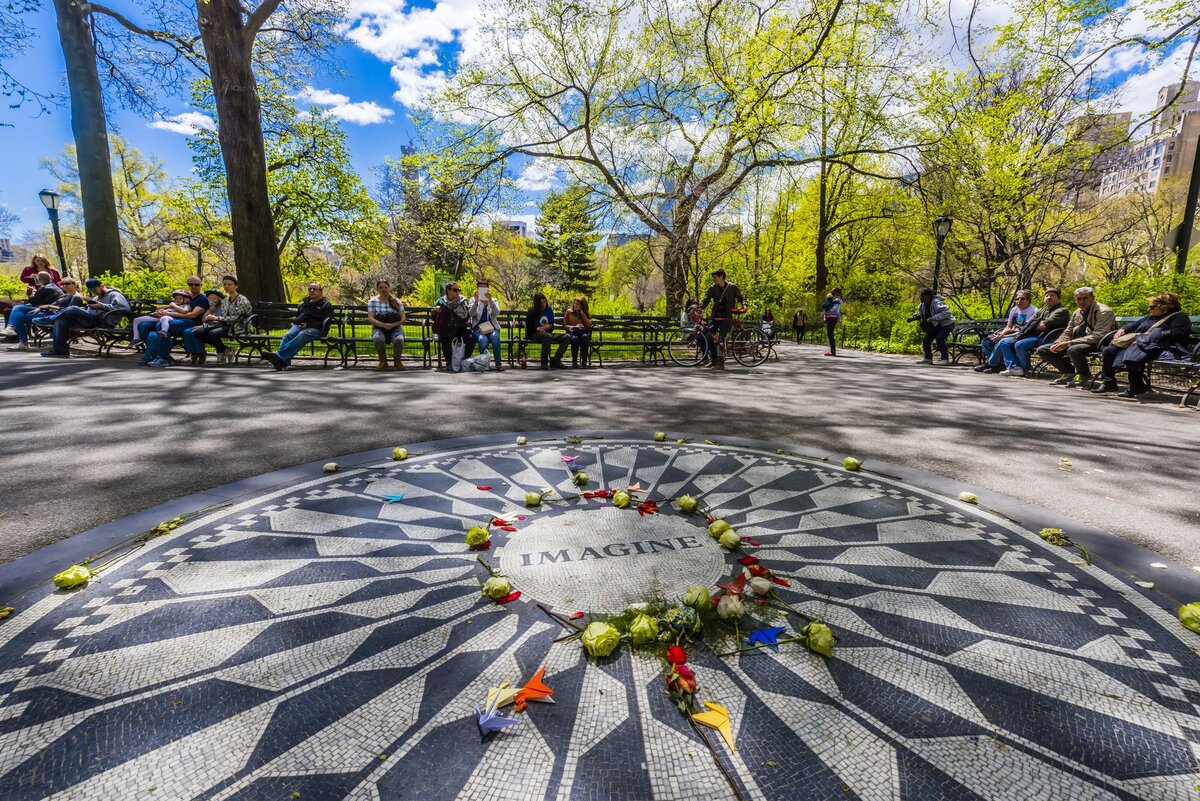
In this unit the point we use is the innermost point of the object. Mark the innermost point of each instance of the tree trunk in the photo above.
(102, 234)
(675, 275)
(822, 276)
(239, 130)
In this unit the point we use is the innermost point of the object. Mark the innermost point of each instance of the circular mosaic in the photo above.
(603, 560)
(327, 639)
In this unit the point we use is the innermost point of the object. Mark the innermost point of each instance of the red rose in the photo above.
(757, 570)
(685, 678)
(676, 655)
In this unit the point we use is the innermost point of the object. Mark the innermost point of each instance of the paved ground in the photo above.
(124, 438)
(326, 638)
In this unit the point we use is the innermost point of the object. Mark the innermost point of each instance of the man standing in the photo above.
(799, 323)
(312, 316)
(104, 300)
(1069, 353)
(1019, 314)
(725, 297)
(1016, 351)
(937, 322)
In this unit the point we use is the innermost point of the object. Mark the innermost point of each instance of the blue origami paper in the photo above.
(766, 637)
(489, 722)
(394, 498)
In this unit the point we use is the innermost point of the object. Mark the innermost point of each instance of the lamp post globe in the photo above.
(50, 200)
(941, 228)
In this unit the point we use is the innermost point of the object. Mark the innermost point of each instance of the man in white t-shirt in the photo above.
(1022, 309)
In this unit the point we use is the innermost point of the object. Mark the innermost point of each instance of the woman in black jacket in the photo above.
(1164, 332)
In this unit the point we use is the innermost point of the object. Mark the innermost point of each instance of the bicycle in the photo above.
(690, 346)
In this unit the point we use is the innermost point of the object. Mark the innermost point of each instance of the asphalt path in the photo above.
(91, 440)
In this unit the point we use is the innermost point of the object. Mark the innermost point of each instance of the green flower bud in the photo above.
(522, 441)
(717, 528)
(496, 587)
(730, 540)
(660, 436)
(643, 629)
(1189, 615)
(698, 598)
(579, 478)
(621, 499)
(968, 497)
(533, 499)
(688, 504)
(820, 638)
(477, 535)
(73, 576)
(600, 639)
(399, 454)
(850, 463)
(331, 467)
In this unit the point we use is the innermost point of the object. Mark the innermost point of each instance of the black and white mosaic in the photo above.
(327, 641)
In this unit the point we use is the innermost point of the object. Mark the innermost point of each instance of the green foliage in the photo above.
(142, 284)
(11, 286)
(567, 239)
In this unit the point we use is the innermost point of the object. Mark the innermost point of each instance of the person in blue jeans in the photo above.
(1017, 351)
(1018, 314)
(104, 300)
(483, 314)
(312, 316)
(937, 322)
(159, 342)
(23, 315)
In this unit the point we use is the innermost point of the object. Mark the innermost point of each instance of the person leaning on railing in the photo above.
(231, 318)
(1090, 323)
(1163, 333)
(312, 316)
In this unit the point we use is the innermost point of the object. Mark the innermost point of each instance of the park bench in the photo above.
(113, 330)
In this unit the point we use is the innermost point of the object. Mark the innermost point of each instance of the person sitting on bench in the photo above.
(311, 318)
(104, 300)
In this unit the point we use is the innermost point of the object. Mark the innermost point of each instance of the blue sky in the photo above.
(395, 51)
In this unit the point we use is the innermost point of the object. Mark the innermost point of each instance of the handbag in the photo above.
(1130, 337)
(486, 328)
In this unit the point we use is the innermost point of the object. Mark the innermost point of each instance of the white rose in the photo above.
(729, 606)
(760, 585)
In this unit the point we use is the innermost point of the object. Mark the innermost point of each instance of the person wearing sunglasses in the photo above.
(312, 318)
(23, 315)
(182, 317)
(453, 322)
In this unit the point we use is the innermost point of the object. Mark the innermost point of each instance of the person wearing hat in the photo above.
(22, 316)
(180, 319)
(228, 315)
(143, 325)
(104, 301)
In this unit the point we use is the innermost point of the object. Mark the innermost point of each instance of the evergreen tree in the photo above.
(567, 238)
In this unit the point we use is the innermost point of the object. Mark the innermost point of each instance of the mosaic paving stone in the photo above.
(318, 639)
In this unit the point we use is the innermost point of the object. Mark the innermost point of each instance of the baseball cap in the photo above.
(92, 283)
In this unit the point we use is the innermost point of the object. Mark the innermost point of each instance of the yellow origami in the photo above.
(717, 717)
(500, 696)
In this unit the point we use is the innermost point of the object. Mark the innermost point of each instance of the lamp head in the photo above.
(49, 199)
(941, 226)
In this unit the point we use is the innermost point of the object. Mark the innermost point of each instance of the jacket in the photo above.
(832, 308)
(314, 313)
(45, 295)
(235, 314)
(721, 296)
(1056, 317)
(475, 309)
(1089, 329)
(112, 300)
(1174, 333)
(938, 311)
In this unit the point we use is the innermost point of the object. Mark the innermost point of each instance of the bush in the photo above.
(141, 284)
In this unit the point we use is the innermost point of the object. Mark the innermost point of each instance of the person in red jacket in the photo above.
(37, 264)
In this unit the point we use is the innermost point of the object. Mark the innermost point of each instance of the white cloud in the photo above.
(538, 175)
(189, 123)
(410, 39)
(361, 113)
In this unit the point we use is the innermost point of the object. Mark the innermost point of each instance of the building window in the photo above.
(1171, 146)
(1152, 183)
(1156, 162)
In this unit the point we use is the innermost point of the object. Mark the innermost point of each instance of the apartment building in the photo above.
(1168, 151)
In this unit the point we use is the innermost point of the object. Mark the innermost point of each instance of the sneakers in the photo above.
(1105, 386)
(717, 366)
(828, 353)
(943, 363)
(1063, 380)
(157, 363)
(20, 346)
(1017, 371)
(983, 368)
(557, 364)
(275, 361)
(1129, 394)
(926, 361)
(8, 331)
(53, 354)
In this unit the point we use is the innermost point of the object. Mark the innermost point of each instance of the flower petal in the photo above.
(512, 596)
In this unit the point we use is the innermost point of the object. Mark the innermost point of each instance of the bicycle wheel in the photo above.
(749, 346)
(686, 348)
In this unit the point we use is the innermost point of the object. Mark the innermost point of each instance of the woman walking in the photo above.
(832, 309)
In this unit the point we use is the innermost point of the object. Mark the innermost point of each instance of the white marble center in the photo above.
(602, 560)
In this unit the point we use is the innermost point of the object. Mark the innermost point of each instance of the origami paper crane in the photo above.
(766, 637)
(489, 722)
(399, 496)
(717, 717)
(635, 487)
(500, 696)
(534, 690)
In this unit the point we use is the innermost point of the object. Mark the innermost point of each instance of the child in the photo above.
(179, 303)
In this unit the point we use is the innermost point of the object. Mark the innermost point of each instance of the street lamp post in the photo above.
(941, 228)
(50, 200)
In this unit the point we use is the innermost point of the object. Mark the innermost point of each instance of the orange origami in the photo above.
(534, 690)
